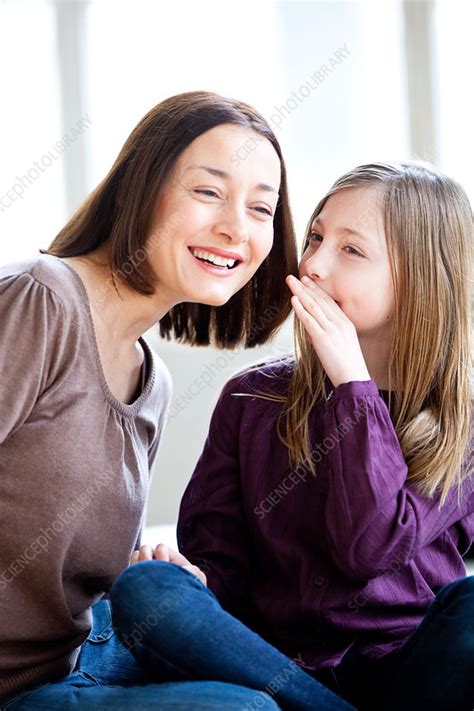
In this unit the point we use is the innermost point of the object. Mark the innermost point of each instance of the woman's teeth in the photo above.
(213, 258)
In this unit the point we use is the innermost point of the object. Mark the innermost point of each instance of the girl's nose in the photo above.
(318, 266)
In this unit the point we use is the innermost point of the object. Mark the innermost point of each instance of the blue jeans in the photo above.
(169, 619)
(176, 629)
(107, 676)
(433, 670)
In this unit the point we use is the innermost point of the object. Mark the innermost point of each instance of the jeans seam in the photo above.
(88, 677)
(106, 632)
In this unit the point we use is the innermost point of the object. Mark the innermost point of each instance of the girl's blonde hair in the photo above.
(429, 231)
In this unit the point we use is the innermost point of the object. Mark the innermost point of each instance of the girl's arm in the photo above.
(376, 519)
(212, 532)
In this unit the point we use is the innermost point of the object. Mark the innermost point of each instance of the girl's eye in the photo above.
(314, 237)
(207, 193)
(353, 250)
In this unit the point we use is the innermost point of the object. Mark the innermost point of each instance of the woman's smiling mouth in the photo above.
(217, 261)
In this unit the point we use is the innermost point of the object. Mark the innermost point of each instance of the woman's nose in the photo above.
(233, 224)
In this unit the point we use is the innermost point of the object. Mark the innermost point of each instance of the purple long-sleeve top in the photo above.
(316, 565)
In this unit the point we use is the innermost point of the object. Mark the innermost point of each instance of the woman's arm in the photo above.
(31, 318)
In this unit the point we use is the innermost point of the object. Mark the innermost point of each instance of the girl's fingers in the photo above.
(145, 553)
(178, 558)
(309, 300)
(311, 325)
(314, 308)
(162, 552)
(311, 293)
(197, 572)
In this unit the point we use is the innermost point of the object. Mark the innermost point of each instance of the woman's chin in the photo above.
(212, 299)
(217, 300)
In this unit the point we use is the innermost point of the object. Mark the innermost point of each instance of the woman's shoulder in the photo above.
(43, 273)
(43, 287)
(37, 326)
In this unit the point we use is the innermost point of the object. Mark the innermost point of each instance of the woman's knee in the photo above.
(151, 594)
(151, 575)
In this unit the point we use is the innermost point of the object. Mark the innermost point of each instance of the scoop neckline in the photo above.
(122, 407)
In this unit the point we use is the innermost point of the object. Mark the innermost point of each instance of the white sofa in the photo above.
(152, 535)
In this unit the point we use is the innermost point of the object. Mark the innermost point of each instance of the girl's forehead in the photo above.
(353, 206)
(356, 196)
(356, 214)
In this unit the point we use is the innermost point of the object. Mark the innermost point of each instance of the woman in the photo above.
(180, 233)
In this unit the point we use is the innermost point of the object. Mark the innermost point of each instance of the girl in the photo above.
(178, 232)
(334, 497)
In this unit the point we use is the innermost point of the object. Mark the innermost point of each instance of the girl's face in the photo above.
(347, 257)
(213, 224)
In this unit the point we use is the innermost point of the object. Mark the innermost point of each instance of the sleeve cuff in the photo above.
(356, 388)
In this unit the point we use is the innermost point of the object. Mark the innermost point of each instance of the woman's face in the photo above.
(347, 257)
(213, 223)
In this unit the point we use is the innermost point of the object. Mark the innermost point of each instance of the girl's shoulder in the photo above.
(269, 376)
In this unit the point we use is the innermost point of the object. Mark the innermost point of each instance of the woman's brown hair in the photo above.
(120, 209)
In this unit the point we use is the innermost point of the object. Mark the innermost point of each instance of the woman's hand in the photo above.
(163, 552)
(331, 333)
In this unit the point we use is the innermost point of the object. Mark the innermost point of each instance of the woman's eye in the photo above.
(314, 237)
(264, 210)
(207, 193)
